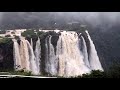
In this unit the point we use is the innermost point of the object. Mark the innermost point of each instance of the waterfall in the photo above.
(16, 55)
(93, 57)
(32, 60)
(59, 52)
(51, 63)
(31, 43)
(46, 55)
(24, 54)
(70, 59)
(85, 53)
(38, 54)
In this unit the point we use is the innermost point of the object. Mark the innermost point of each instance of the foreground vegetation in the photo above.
(21, 72)
(94, 74)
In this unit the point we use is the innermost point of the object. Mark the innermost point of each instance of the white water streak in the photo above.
(93, 57)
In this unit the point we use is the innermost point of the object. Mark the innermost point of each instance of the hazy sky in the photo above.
(94, 18)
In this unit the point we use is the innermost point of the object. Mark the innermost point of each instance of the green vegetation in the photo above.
(113, 73)
(5, 40)
(94, 74)
(29, 33)
(21, 72)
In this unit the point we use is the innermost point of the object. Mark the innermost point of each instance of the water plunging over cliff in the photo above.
(93, 57)
(67, 60)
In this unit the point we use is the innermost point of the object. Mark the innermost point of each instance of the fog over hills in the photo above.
(37, 19)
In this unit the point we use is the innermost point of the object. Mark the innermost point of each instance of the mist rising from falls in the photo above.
(69, 57)
(93, 57)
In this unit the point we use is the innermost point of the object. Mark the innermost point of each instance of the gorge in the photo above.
(68, 55)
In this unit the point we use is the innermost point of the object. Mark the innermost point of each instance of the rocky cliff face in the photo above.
(6, 56)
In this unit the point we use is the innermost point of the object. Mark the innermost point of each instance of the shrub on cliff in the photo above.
(29, 34)
(95, 74)
(21, 72)
(5, 40)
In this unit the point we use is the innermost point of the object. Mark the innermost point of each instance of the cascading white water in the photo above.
(31, 43)
(52, 57)
(46, 55)
(93, 57)
(24, 54)
(32, 60)
(59, 52)
(38, 55)
(85, 53)
(16, 55)
(51, 63)
(69, 59)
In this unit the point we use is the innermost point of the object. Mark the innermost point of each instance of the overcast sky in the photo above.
(94, 18)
